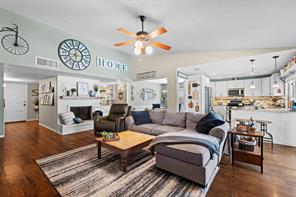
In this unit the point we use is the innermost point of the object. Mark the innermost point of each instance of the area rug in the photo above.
(80, 173)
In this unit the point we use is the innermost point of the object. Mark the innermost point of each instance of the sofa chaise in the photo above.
(187, 160)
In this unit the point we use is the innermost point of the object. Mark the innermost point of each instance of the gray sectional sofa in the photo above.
(191, 161)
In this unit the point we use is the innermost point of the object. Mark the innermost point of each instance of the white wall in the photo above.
(2, 127)
(48, 113)
(138, 103)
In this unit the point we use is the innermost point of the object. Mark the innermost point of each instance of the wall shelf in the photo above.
(81, 98)
(291, 70)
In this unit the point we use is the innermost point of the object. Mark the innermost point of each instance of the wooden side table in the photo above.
(252, 157)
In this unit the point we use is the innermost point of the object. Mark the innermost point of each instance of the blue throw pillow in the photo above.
(141, 117)
(208, 122)
(77, 120)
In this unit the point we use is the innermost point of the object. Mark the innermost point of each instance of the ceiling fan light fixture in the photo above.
(148, 50)
(138, 51)
(139, 44)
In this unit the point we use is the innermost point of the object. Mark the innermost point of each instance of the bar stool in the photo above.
(263, 128)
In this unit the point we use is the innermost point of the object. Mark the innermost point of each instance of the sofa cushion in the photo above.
(177, 119)
(144, 128)
(208, 122)
(68, 118)
(190, 153)
(192, 119)
(164, 129)
(156, 115)
(141, 117)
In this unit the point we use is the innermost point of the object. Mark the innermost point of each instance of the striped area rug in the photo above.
(80, 173)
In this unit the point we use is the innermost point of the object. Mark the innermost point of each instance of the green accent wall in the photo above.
(44, 41)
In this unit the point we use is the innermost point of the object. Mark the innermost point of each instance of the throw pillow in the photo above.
(177, 119)
(141, 117)
(157, 115)
(192, 119)
(77, 120)
(67, 118)
(208, 122)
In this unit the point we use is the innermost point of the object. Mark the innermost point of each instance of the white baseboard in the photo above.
(2, 136)
(31, 120)
(49, 128)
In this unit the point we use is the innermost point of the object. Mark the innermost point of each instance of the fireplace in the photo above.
(83, 112)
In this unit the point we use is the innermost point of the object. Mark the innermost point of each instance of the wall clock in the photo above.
(74, 54)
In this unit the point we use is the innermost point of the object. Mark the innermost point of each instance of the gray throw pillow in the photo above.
(192, 119)
(177, 119)
(156, 115)
(68, 118)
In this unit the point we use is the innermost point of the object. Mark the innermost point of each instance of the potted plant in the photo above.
(96, 89)
(73, 91)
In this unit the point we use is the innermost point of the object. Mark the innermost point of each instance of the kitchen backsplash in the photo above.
(260, 101)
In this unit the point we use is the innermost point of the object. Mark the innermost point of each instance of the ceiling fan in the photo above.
(144, 40)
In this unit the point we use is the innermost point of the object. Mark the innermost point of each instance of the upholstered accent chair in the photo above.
(114, 121)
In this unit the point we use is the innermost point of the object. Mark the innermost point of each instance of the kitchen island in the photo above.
(282, 127)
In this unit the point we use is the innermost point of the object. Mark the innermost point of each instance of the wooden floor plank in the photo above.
(26, 141)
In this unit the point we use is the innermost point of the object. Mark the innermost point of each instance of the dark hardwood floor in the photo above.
(26, 141)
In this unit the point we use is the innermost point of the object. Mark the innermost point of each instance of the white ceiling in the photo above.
(241, 67)
(194, 25)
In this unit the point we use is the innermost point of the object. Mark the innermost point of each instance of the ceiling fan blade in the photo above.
(160, 45)
(123, 43)
(122, 30)
(157, 32)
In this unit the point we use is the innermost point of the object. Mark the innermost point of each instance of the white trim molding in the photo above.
(42, 125)
(2, 136)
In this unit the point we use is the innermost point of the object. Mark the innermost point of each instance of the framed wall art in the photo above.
(82, 89)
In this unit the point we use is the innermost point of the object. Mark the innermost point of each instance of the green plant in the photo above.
(96, 88)
(108, 135)
(73, 90)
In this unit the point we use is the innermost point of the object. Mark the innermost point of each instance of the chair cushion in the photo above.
(141, 117)
(144, 128)
(192, 119)
(177, 119)
(164, 129)
(208, 122)
(106, 125)
(156, 115)
(68, 118)
(190, 153)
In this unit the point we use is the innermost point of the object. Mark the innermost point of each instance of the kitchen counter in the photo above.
(282, 127)
(275, 110)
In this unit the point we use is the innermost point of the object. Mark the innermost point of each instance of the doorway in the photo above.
(15, 102)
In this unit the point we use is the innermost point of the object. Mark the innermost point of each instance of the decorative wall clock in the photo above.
(74, 54)
(13, 43)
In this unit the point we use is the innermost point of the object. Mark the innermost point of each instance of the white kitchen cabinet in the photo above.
(266, 86)
(236, 84)
(221, 88)
(253, 92)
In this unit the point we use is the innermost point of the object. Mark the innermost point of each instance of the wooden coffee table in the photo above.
(128, 142)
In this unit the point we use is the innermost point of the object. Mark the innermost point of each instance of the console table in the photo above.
(252, 157)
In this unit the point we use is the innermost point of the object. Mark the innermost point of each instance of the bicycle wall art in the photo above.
(12, 42)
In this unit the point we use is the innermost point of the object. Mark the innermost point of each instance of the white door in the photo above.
(15, 96)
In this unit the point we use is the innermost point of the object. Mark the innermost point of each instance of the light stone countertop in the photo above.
(273, 110)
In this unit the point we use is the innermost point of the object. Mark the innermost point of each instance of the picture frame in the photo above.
(243, 128)
(82, 89)
(46, 99)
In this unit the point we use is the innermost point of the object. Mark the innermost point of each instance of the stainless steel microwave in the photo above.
(236, 92)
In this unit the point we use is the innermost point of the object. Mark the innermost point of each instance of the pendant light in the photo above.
(252, 85)
(275, 84)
